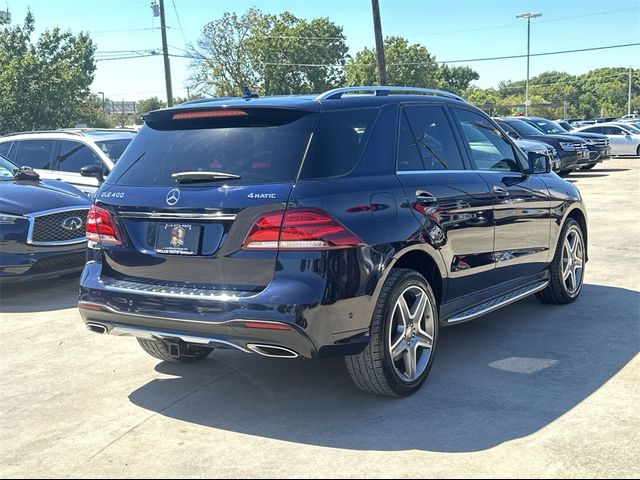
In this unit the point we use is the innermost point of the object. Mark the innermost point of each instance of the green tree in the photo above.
(407, 65)
(269, 54)
(92, 113)
(457, 79)
(43, 83)
(147, 105)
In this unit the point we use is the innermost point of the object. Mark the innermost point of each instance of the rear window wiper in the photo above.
(188, 177)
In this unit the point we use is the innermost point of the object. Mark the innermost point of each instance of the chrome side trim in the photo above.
(500, 302)
(218, 216)
(122, 331)
(31, 217)
(337, 93)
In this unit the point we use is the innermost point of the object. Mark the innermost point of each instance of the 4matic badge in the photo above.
(261, 195)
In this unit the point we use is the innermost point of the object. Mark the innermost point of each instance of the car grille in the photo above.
(580, 146)
(49, 229)
(60, 263)
(601, 142)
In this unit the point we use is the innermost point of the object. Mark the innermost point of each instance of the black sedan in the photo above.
(42, 225)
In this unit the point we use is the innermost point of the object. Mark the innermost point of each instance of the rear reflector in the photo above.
(210, 114)
(303, 229)
(101, 228)
(266, 325)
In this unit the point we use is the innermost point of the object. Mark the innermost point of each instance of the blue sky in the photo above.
(450, 29)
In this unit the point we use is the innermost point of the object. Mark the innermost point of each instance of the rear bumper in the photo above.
(238, 334)
(317, 312)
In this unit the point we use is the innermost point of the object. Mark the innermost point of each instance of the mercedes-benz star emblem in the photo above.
(173, 196)
(72, 223)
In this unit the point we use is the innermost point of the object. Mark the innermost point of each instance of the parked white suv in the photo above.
(62, 154)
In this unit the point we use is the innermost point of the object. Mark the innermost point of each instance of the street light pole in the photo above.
(528, 16)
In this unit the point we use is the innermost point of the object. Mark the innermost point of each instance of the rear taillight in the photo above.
(101, 227)
(303, 229)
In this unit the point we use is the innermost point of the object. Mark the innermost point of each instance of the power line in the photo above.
(175, 9)
(469, 60)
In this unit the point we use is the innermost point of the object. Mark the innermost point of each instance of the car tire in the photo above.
(561, 289)
(160, 350)
(589, 167)
(638, 151)
(405, 332)
(564, 173)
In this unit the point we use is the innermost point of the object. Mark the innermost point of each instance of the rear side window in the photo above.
(259, 145)
(74, 156)
(593, 130)
(34, 153)
(426, 140)
(338, 142)
(489, 149)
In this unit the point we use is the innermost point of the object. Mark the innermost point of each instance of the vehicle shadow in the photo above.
(495, 379)
(586, 175)
(40, 296)
(608, 170)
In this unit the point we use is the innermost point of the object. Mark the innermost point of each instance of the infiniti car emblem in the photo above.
(72, 223)
(173, 196)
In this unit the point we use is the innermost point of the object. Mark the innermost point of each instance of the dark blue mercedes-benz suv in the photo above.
(354, 223)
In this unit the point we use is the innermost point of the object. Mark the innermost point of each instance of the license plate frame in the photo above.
(178, 239)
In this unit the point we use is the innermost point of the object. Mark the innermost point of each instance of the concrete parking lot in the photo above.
(529, 391)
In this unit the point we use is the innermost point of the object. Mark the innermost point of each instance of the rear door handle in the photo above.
(500, 192)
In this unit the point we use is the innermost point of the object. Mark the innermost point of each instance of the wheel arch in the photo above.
(429, 264)
(579, 216)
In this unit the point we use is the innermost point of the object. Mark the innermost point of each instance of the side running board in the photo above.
(498, 302)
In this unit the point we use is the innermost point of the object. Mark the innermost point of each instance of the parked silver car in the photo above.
(624, 137)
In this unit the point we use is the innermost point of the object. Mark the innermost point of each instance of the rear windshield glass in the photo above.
(259, 145)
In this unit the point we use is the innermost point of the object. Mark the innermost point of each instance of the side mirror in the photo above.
(538, 163)
(94, 171)
(513, 134)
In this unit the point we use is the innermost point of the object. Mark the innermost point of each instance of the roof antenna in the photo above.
(246, 93)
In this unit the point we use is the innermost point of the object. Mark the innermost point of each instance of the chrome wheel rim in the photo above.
(572, 260)
(410, 339)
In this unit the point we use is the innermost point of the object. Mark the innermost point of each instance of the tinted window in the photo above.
(338, 142)
(522, 127)
(114, 148)
(4, 148)
(34, 153)
(6, 169)
(259, 145)
(593, 130)
(426, 140)
(612, 131)
(489, 149)
(547, 126)
(73, 156)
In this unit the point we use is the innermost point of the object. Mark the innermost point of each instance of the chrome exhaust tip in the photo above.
(97, 328)
(272, 351)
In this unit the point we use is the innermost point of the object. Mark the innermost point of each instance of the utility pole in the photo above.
(629, 101)
(528, 16)
(377, 27)
(165, 53)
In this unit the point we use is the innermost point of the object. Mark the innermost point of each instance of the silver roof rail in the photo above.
(386, 90)
(42, 131)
